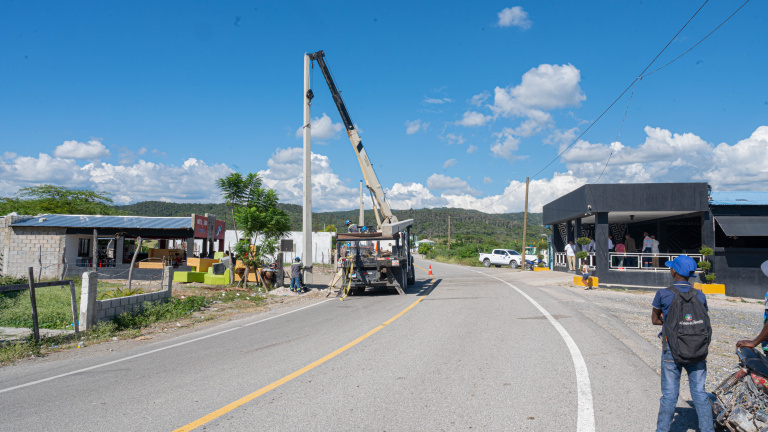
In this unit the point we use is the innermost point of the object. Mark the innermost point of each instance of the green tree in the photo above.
(330, 228)
(57, 200)
(234, 190)
(260, 218)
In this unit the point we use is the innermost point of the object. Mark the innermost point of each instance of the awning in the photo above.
(743, 226)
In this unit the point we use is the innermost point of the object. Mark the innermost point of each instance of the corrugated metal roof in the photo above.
(92, 221)
(739, 198)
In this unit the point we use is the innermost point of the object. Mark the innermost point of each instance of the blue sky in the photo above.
(456, 102)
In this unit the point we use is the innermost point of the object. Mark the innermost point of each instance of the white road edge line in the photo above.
(586, 411)
(155, 350)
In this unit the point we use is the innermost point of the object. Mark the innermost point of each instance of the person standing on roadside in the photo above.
(681, 269)
(296, 275)
(570, 253)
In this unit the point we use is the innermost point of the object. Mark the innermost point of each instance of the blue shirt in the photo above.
(663, 298)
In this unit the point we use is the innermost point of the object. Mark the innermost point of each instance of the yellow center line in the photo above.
(242, 401)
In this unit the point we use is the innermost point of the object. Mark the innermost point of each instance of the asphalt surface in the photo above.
(473, 354)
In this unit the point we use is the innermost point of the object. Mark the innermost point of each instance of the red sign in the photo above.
(220, 230)
(201, 226)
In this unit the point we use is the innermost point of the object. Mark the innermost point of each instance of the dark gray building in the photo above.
(681, 216)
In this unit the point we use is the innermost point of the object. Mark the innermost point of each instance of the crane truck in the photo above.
(361, 257)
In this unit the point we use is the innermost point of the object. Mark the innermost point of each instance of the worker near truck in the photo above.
(352, 228)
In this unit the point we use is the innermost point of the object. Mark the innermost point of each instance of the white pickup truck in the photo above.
(500, 257)
(505, 257)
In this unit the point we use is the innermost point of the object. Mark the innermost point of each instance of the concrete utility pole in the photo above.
(361, 223)
(307, 173)
(525, 221)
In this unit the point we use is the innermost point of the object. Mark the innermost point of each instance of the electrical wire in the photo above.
(639, 77)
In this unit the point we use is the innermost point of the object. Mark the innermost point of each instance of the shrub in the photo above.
(710, 277)
(582, 255)
(706, 250)
(584, 241)
(705, 265)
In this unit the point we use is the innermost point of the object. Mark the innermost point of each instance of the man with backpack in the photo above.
(681, 310)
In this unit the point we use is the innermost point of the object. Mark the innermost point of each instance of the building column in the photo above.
(576, 230)
(190, 247)
(119, 245)
(708, 229)
(601, 243)
(568, 232)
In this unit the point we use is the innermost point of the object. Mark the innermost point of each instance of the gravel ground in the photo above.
(732, 319)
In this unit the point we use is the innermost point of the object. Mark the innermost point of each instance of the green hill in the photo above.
(470, 225)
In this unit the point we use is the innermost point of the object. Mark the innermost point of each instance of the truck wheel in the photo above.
(487, 262)
(513, 264)
(412, 276)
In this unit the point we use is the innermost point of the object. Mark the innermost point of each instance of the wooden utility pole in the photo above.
(33, 301)
(525, 220)
(95, 260)
(133, 261)
(449, 232)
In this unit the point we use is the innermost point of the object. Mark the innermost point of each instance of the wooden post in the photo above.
(133, 260)
(33, 300)
(449, 232)
(64, 262)
(525, 221)
(74, 308)
(39, 262)
(231, 265)
(94, 262)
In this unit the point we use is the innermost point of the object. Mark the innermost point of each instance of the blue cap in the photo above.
(348, 222)
(364, 229)
(683, 265)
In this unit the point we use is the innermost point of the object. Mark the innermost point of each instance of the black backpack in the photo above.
(687, 328)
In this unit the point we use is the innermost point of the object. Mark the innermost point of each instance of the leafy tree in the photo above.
(330, 228)
(57, 200)
(260, 218)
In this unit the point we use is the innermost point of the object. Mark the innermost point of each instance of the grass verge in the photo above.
(125, 326)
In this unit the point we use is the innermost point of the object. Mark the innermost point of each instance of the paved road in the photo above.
(478, 349)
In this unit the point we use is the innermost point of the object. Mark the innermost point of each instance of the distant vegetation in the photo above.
(469, 228)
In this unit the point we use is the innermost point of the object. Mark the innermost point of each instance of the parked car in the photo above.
(500, 257)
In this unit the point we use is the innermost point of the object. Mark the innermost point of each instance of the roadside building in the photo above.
(681, 216)
(67, 245)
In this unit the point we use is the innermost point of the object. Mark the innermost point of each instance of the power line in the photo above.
(640, 76)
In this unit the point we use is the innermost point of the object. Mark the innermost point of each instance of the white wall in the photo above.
(321, 242)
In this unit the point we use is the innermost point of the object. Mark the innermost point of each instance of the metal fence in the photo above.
(630, 261)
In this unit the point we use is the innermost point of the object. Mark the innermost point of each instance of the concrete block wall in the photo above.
(20, 248)
(93, 311)
(108, 309)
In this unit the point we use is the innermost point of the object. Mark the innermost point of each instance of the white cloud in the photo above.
(452, 138)
(411, 127)
(451, 186)
(449, 163)
(142, 151)
(91, 150)
(545, 87)
(323, 128)
(479, 99)
(471, 149)
(472, 118)
(441, 181)
(284, 173)
(487, 180)
(506, 145)
(194, 181)
(514, 16)
(437, 100)
(670, 157)
(560, 137)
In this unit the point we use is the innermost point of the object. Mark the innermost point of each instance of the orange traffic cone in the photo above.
(430, 271)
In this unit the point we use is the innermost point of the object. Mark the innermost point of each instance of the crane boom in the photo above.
(389, 221)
